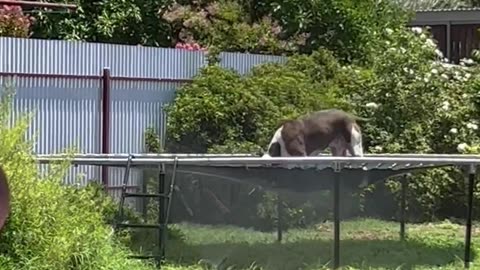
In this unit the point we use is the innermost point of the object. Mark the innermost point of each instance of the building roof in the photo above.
(448, 9)
(446, 16)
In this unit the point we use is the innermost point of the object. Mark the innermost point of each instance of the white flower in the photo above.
(408, 70)
(378, 148)
(464, 95)
(391, 49)
(426, 79)
(417, 30)
(458, 76)
(439, 53)
(372, 105)
(446, 105)
(453, 130)
(467, 61)
(434, 71)
(403, 50)
(445, 76)
(389, 31)
(423, 36)
(467, 76)
(461, 147)
(387, 42)
(472, 126)
(431, 43)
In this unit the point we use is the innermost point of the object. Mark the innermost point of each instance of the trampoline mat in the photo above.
(296, 179)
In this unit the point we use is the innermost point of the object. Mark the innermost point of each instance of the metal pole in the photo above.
(468, 227)
(403, 199)
(336, 217)
(105, 121)
(161, 213)
(145, 200)
(279, 218)
(391, 163)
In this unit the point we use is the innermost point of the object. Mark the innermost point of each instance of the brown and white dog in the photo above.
(313, 133)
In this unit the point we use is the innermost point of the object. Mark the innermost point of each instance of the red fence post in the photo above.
(105, 122)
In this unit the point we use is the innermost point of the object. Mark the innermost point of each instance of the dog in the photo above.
(313, 133)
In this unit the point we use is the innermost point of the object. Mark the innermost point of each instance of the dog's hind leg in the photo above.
(355, 146)
(356, 149)
(337, 147)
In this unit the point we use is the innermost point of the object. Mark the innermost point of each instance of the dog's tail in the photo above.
(361, 119)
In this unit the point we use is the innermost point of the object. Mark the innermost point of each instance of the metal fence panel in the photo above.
(136, 106)
(88, 59)
(66, 114)
(60, 82)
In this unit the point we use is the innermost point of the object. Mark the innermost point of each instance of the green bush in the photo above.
(52, 226)
(220, 107)
(346, 27)
(417, 103)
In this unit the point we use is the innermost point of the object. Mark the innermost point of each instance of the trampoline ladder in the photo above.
(164, 205)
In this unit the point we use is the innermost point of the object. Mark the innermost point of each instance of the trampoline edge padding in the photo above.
(4, 198)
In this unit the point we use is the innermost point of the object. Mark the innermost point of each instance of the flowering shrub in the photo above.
(13, 23)
(223, 26)
(417, 101)
(190, 46)
(422, 104)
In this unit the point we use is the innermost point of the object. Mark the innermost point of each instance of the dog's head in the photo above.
(289, 135)
(274, 150)
(293, 137)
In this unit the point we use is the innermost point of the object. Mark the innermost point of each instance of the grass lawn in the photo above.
(366, 244)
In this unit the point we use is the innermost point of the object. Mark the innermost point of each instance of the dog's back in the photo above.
(323, 127)
(317, 131)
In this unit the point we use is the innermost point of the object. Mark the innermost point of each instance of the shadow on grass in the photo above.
(313, 254)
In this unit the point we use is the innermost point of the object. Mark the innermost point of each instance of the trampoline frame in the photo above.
(402, 164)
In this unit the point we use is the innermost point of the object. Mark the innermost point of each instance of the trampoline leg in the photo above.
(161, 213)
(279, 219)
(336, 222)
(402, 206)
(468, 227)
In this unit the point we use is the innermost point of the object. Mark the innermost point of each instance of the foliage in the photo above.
(433, 4)
(222, 24)
(366, 244)
(51, 226)
(220, 107)
(152, 141)
(132, 22)
(285, 26)
(345, 27)
(431, 110)
(417, 103)
(13, 22)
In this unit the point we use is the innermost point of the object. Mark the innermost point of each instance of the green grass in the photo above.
(366, 244)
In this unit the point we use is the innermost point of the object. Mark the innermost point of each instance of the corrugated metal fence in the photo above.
(60, 81)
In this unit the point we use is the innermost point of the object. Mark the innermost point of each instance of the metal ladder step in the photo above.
(146, 195)
(163, 214)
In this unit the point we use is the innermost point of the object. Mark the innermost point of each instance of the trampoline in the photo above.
(299, 174)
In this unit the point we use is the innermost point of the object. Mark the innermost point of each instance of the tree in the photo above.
(13, 22)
